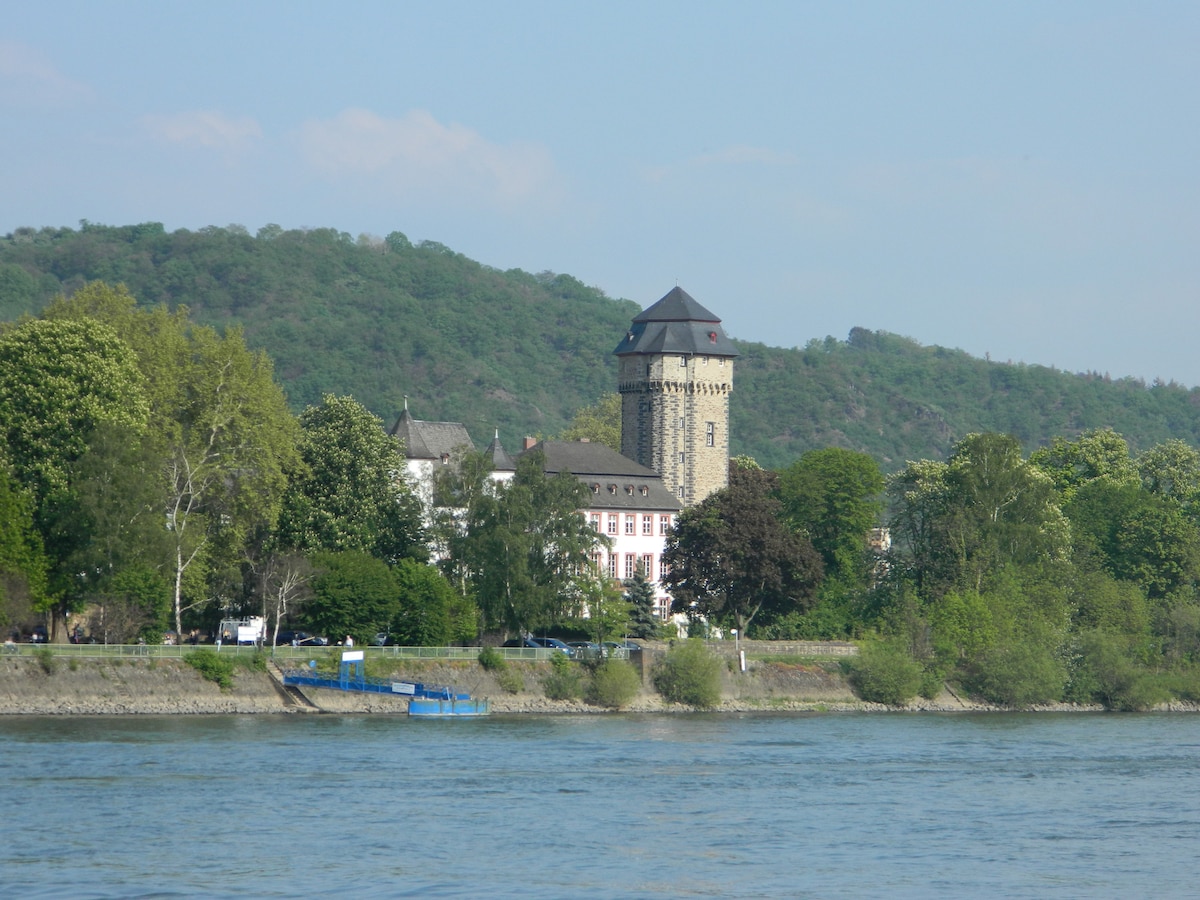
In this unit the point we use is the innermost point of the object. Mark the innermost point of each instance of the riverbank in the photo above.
(171, 687)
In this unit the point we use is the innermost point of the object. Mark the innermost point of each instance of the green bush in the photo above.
(45, 658)
(1106, 672)
(212, 666)
(563, 682)
(885, 673)
(492, 660)
(510, 680)
(689, 674)
(614, 684)
(1017, 675)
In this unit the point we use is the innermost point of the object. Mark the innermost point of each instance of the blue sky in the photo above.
(1013, 179)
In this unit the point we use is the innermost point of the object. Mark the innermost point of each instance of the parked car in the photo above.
(300, 639)
(521, 642)
(586, 650)
(555, 644)
(383, 639)
(38, 635)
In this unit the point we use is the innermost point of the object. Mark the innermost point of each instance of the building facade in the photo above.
(675, 378)
(629, 505)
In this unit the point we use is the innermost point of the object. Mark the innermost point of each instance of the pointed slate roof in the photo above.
(676, 324)
(430, 440)
(501, 461)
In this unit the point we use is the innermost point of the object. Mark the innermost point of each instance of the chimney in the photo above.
(529, 443)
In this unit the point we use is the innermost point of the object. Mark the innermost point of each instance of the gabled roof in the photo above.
(430, 440)
(595, 464)
(676, 324)
(501, 461)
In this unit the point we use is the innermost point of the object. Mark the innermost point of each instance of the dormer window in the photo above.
(629, 489)
(712, 337)
(596, 488)
(645, 491)
(612, 488)
(445, 459)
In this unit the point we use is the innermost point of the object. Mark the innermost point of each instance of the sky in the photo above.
(1017, 180)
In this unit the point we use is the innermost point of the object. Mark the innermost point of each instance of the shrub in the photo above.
(510, 680)
(689, 674)
(563, 682)
(614, 684)
(492, 659)
(885, 673)
(212, 666)
(45, 658)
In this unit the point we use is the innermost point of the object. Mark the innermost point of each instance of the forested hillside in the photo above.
(381, 319)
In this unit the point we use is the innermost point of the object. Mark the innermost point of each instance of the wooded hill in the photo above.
(381, 319)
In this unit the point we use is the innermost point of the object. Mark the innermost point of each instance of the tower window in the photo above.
(683, 360)
(710, 434)
(682, 457)
(681, 492)
(682, 422)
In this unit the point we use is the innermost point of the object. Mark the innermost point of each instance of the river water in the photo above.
(780, 805)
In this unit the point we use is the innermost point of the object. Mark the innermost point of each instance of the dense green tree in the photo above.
(835, 497)
(732, 556)
(644, 622)
(1099, 453)
(599, 423)
(58, 381)
(525, 546)
(1139, 537)
(353, 594)
(350, 494)
(1172, 469)
(424, 614)
(22, 559)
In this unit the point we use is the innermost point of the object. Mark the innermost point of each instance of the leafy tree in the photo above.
(353, 594)
(1172, 469)
(732, 556)
(525, 546)
(350, 494)
(599, 423)
(883, 672)
(986, 509)
(22, 559)
(423, 615)
(834, 496)
(58, 381)
(1139, 537)
(1098, 453)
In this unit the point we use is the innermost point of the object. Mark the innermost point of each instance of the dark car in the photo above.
(300, 639)
(383, 639)
(555, 644)
(521, 642)
(38, 635)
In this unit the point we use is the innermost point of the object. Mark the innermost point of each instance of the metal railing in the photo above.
(285, 653)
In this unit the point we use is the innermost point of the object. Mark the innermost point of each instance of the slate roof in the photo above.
(595, 464)
(501, 461)
(676, 324)
(430, 440)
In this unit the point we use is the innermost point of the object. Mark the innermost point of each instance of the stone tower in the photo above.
(676, 372)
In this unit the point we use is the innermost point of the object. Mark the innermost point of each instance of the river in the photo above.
(780, 805)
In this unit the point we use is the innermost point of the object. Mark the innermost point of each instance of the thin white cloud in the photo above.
(417, 154)
(29, 78)
(734, 155)
(205, 128)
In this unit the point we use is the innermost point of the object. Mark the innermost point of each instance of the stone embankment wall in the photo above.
(170, 686)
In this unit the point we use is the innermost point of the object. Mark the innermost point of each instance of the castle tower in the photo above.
(676, 372)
